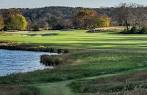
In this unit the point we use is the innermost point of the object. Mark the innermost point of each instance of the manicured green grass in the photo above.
(93, 55)
(78, 39)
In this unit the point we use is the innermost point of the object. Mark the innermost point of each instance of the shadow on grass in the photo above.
(47, 34)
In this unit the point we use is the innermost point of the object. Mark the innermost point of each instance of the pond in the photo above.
(14, 61)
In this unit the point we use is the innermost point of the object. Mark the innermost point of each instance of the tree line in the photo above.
(68, 17)
(16, 19)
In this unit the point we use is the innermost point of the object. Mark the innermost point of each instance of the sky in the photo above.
(70, 3)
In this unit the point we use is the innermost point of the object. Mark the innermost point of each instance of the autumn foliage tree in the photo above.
(104, 21)
(90, 19)
(16, 22)
(85, 18)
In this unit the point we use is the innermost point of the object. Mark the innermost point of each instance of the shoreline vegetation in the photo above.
(30, 47)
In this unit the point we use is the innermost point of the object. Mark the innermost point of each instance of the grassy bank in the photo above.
(91, 55)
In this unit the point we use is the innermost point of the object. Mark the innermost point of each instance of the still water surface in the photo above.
(20, 61)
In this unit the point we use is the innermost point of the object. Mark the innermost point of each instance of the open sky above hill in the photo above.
(71, 3)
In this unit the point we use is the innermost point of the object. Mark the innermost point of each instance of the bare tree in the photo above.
(122, 15)
(130, 15)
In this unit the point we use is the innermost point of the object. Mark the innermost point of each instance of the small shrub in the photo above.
(51, 60)
(66, 51)
(143, 30)
(135, 30)
(35, 28)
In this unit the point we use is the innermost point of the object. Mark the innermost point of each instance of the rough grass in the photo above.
(18, 90)
(114, 85)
